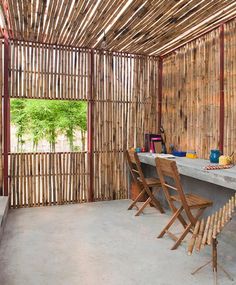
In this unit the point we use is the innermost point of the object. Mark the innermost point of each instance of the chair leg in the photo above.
(143, 207)
(156, 203)
(173, 218)
(156, 191)
(180, 218)
(187, 229)
(183, 235)
(158, 206)
(136, 200)
(182, 221)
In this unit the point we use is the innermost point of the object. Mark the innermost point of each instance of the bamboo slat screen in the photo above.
(125, 108)
(47, 178)
(191, 95)
(230, 88)
(48, 72)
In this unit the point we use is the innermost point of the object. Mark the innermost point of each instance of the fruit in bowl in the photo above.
(225, 160)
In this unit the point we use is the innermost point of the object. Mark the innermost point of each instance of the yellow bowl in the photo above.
(191, 155)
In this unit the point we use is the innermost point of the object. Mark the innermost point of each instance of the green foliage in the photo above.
(19, 119)
(72, 115)
(46, 119)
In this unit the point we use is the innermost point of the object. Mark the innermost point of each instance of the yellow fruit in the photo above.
(225, 160)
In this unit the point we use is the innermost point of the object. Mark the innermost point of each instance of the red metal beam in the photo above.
(160, 73)
(90, 132)
(6, 115)
(222, 103)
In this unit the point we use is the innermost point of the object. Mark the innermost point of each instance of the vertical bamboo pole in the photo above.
(222, 107)
(90, 132)
(6, 119)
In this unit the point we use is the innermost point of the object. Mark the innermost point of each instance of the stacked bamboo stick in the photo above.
(207, 230)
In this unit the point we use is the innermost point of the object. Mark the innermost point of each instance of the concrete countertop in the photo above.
(195, 168)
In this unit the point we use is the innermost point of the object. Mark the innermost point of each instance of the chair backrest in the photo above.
(167, 168)
(135, 168)
(208, 229)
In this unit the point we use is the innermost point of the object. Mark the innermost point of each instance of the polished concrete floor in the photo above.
(100, 243)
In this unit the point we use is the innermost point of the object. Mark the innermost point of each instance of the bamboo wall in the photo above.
(191, 95)
(230, 87)
(124, 107)
(125, 89)
(47, 72)
(47, 178)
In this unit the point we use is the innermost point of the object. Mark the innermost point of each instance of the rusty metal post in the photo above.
(160, 73)
(90, 131)
(6, 116)
(222, 103)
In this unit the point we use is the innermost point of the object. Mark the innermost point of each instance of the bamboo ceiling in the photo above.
(136, 26)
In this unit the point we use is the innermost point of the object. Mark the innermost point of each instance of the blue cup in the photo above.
(214, 156)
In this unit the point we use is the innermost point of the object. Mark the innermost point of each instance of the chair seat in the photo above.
(151, 181)
(194, 201)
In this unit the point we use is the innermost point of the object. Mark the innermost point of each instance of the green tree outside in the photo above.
(46, 119)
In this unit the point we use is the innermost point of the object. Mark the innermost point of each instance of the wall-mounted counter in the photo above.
(195, 168)
(217, 185)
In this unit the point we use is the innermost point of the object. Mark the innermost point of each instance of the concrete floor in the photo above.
(98, 243)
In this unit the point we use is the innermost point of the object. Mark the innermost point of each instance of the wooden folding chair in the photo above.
(206, 232)
(145, 185)
(188, 202)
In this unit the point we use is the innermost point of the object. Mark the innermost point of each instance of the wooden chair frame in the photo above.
(138, 178)
(168, 168)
